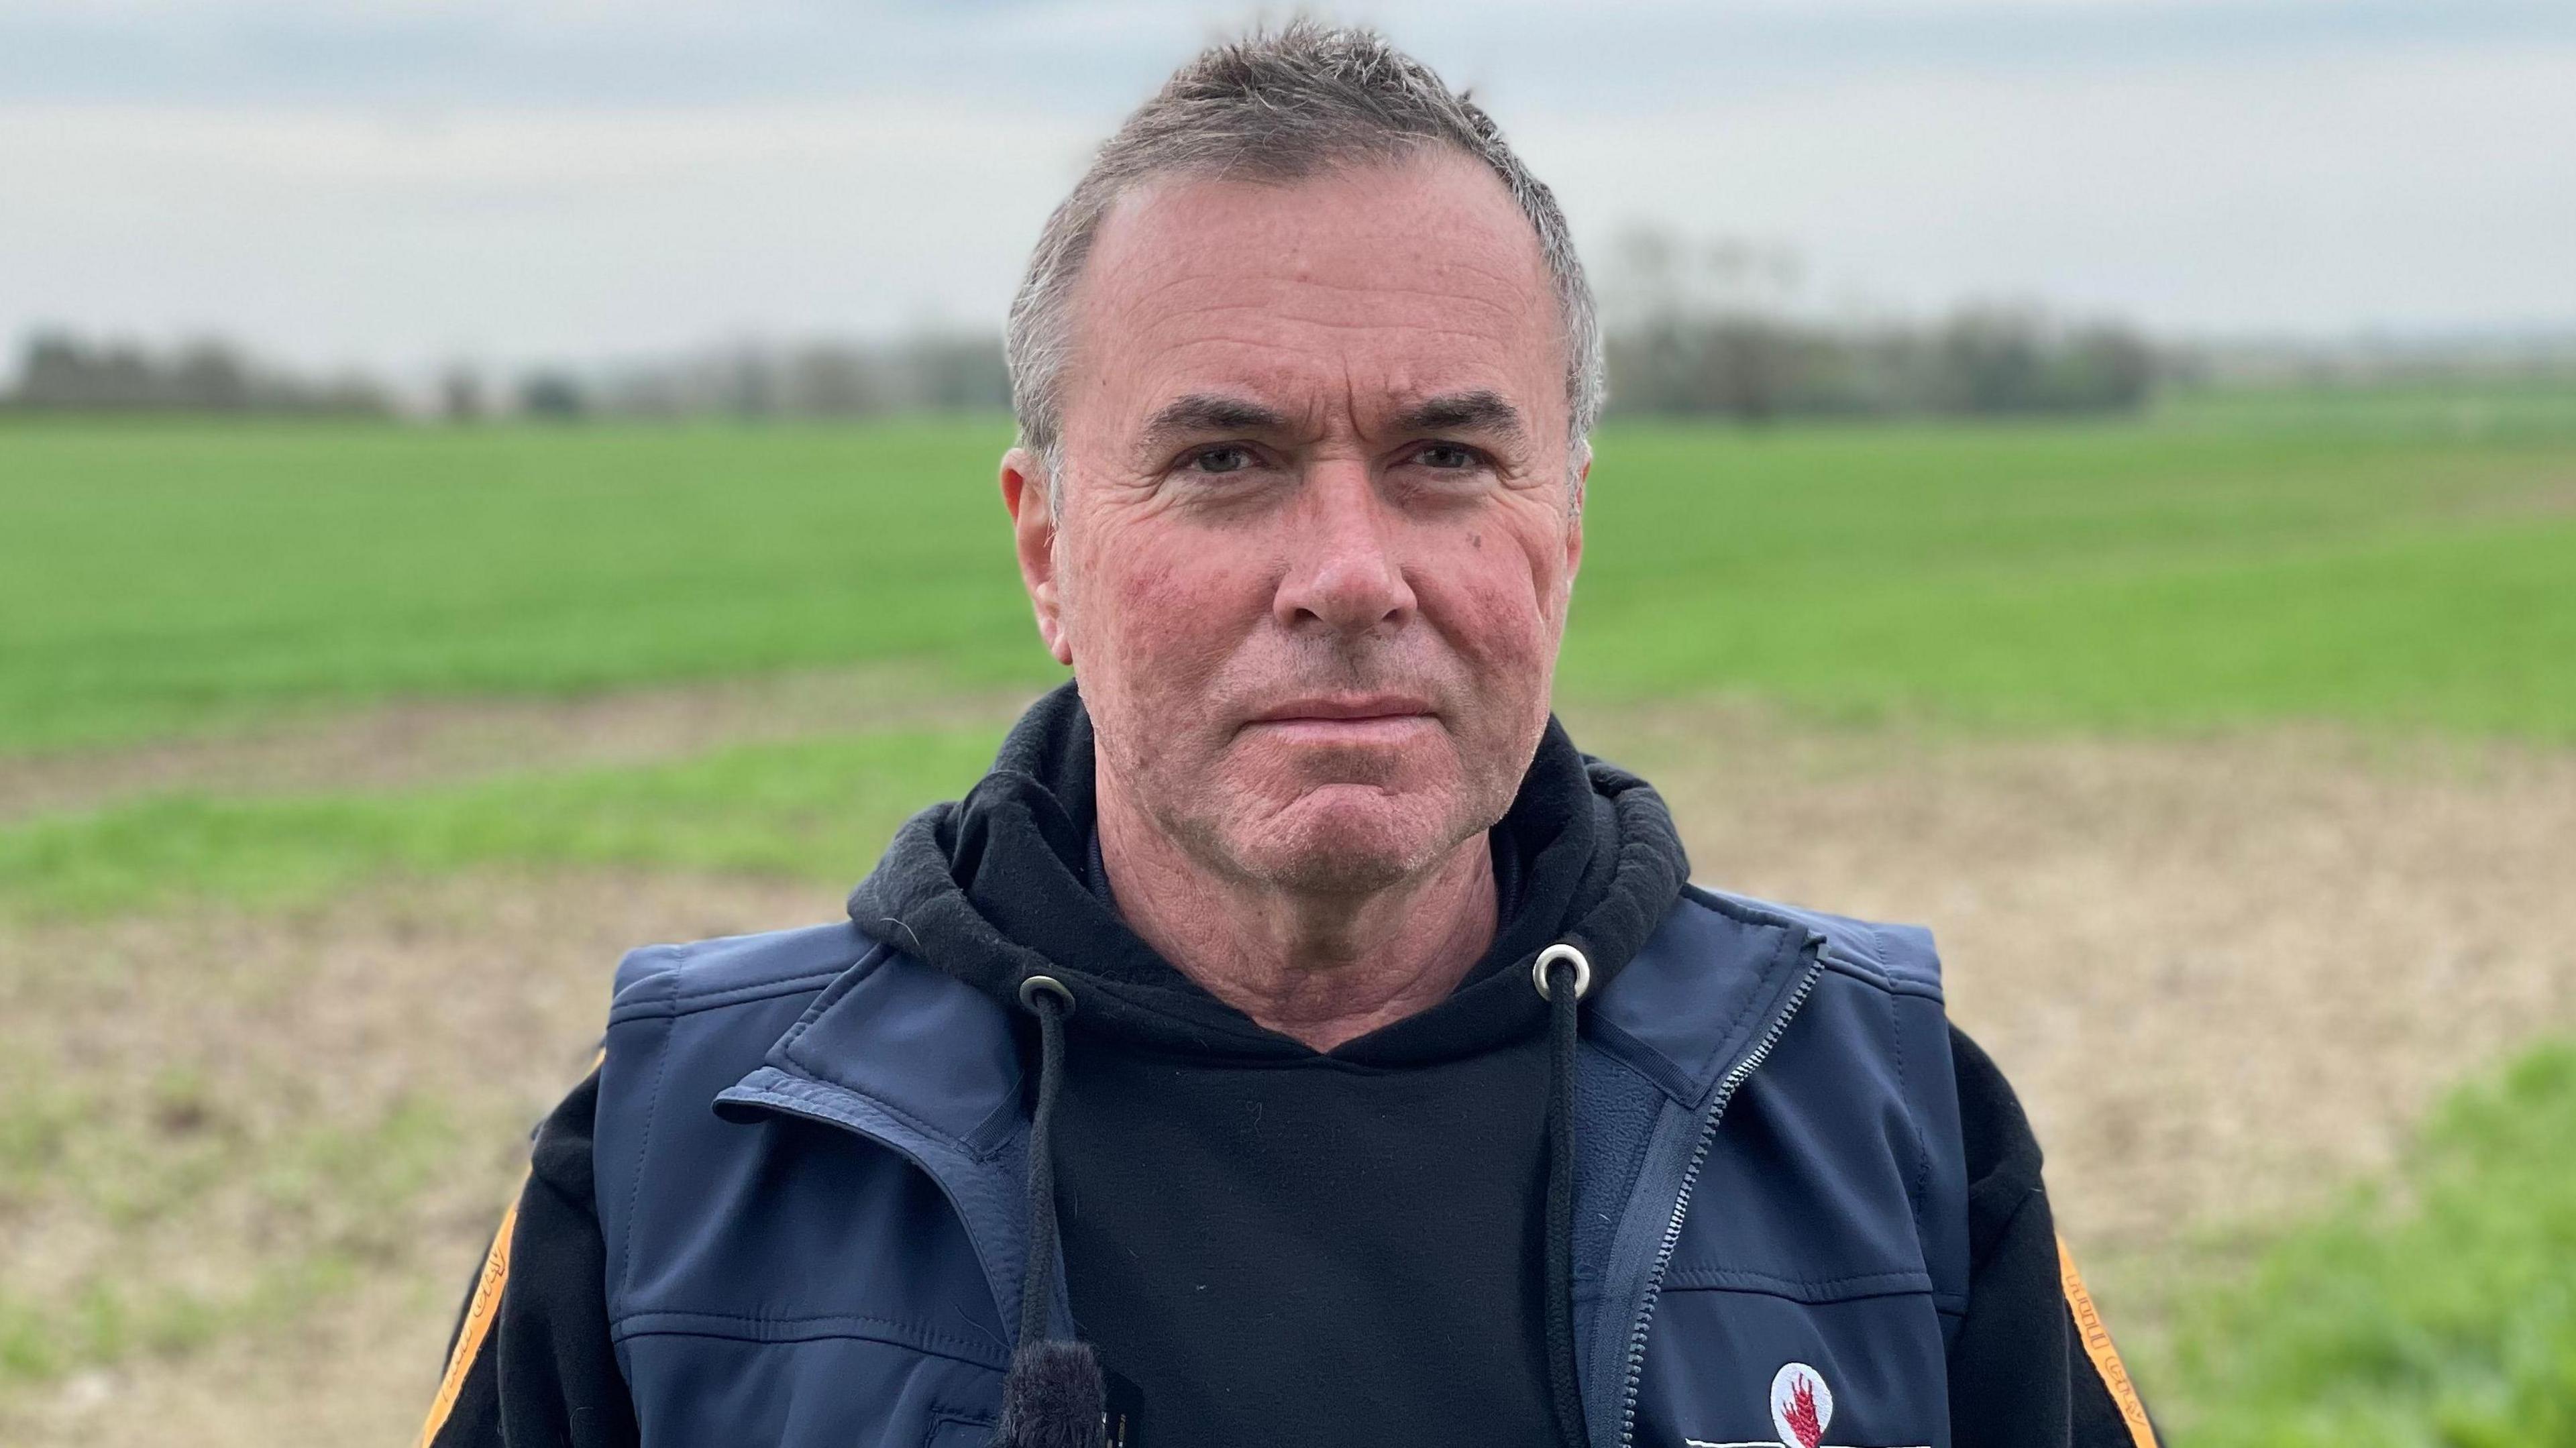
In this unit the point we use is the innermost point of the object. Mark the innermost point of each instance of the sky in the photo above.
(404, 183)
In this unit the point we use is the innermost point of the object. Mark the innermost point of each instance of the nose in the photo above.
(1344, 574)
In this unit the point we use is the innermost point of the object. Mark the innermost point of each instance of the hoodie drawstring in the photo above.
(1054, 1395)
(1563, 975)
(1046, 998)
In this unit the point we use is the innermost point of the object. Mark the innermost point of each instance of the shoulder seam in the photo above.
(1860, 948)
(672, 963)
(643, 1154)
(681, 1004)
(1891, 985)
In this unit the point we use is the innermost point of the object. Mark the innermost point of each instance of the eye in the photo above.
(1224, 457)
(1449, 457)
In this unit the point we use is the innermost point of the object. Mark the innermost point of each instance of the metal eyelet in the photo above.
(1036, 985)
(1554, 954)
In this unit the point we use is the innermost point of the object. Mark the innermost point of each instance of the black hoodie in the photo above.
(1391, 1191)
(1271, 1245)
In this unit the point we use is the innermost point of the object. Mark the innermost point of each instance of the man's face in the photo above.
(1318, 533)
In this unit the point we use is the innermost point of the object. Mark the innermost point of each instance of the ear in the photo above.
(1582, 478)
(1025, 490)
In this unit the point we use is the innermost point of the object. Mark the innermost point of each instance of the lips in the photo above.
(1345, 709)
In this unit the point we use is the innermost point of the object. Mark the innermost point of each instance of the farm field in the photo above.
(2223, 566)
(2231, 752)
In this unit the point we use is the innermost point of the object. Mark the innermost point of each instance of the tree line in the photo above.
(1984, 360)
(1725, 328)
(59, 372)
(1747, 366)
(925, 373)
(1693, 328)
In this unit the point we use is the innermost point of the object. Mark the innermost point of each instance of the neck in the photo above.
(1321, 968)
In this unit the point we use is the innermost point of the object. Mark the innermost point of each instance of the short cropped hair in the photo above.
(1280, 105)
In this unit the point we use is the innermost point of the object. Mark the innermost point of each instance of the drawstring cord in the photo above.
(1563, 975)
(1046, 998)
(1053, 1396)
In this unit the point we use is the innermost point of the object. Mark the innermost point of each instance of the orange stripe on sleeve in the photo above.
(479, 1315)
(2097, 1346)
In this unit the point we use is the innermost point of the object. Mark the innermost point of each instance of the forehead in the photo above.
(1357, 288)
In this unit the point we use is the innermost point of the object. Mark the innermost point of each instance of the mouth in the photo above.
(1346, 718)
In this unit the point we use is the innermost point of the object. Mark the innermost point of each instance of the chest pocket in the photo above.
(1875, 1364)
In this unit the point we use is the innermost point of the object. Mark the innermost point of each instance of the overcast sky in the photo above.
(401, 182)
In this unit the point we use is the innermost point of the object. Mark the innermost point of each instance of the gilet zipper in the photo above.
(1726, 1089)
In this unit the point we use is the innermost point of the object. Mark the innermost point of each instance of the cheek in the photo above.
(1162, 618)
(1498, 595)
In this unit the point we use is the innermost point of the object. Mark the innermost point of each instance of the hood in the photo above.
(1005, 883)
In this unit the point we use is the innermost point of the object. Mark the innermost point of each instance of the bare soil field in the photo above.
(312, 1122)
(2225, 973)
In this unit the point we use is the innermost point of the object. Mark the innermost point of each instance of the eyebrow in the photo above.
(1481, 410)
(1198, 414)
(1201, 413)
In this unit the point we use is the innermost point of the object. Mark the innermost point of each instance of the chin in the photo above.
(1346, 841)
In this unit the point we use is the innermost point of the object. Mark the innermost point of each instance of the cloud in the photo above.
(525, 233)
(395, 184)
(2367, 191)
(1088, 56)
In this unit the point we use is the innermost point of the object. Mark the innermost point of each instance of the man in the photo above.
(1293, 1039)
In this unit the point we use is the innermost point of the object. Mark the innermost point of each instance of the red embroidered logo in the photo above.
(1801, 1406)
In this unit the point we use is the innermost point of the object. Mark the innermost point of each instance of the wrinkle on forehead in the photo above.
(1356, 291)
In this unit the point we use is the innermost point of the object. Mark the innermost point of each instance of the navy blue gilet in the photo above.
(810, 1151)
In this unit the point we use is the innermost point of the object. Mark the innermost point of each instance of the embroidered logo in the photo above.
(1801, 1405)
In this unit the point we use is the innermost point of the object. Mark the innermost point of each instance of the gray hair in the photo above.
(1279, 106)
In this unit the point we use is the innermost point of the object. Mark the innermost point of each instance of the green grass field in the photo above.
(2211, 568)
(2439, 1308)
(2394, 564)
(817, 810)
